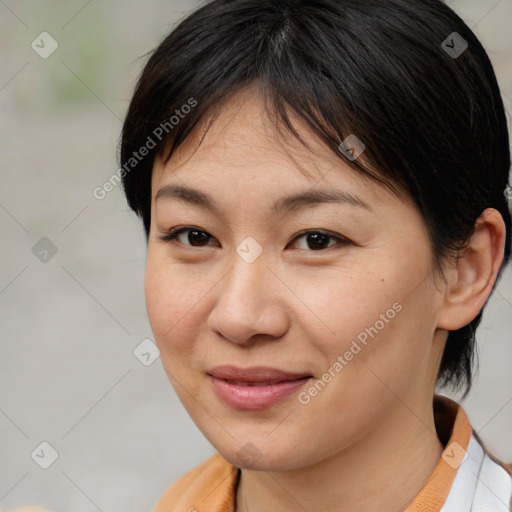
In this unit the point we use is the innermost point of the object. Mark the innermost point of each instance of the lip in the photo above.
(256, 387)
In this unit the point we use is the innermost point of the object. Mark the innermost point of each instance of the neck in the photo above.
(382, 472)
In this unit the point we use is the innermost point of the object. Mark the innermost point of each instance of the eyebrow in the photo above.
(283, 205)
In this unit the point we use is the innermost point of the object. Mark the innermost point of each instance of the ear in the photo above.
(471, 281)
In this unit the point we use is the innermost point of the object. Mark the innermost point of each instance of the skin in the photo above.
(298, 308)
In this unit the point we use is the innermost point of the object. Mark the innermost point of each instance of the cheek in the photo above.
(175, 302)
(395, 347)
(379, 320)
(166, 300)
(158, 298)
(348, 305)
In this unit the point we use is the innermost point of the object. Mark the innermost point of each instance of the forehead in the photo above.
(238, 156)
(241, 138)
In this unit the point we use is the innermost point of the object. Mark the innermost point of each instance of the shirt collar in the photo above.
(452, 487)
(454, 432)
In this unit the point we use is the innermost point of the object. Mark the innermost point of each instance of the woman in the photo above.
(323, 187)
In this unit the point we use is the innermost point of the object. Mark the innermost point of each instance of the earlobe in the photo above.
(470, 283)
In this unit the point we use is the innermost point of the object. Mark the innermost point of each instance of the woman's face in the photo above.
(337, 295)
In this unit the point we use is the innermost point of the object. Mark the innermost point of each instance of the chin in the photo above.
(253, 456)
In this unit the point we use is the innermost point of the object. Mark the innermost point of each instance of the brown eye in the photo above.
(319, 240)
(315, 240)
(188, 236)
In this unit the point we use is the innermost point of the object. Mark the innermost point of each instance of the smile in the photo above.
(254, 388)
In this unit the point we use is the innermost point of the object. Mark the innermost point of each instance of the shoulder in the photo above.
(468, 475)
(493, 486)
(504, 465)
(210, 485)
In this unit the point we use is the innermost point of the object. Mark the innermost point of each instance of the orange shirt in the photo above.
(466, 479)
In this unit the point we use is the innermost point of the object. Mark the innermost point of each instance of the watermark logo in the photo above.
(44, 45)
(44, 455)
(249, 454)
(454, 45)
(44, 250)
(352, 147)
(454, 455)
(249, 249)
(146, 352)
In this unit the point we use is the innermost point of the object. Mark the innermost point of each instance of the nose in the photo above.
(250, 304)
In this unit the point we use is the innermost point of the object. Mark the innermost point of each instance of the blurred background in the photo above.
(88, 418)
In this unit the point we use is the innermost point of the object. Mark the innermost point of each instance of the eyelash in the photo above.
(171, 235)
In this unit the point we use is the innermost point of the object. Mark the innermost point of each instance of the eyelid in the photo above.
(172, 234)
(323, 232)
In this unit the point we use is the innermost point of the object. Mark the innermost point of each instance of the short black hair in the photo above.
(408, 77)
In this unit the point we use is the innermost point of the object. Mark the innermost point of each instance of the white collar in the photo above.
(480, 485)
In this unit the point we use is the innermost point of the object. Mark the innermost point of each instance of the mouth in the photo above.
(254, 383)
(255, 388)
(255, 374)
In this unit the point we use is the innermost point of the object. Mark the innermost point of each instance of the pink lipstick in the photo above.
(256, 387)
